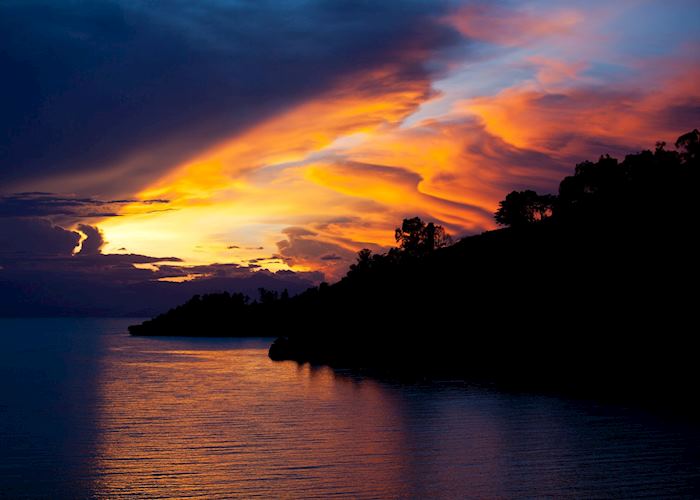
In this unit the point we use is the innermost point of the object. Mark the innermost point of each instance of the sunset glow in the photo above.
(349, 248)
(494, 96)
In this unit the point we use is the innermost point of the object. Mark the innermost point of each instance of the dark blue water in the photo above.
(88, 412)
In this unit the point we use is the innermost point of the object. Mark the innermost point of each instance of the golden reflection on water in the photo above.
(183, 418)
(92, 413)
(206, 423)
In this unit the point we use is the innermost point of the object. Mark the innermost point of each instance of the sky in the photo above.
(261, 138)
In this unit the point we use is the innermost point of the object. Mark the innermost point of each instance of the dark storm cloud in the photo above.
(109, 285)
(39, 244)
(29, 238)
(41, 275)
(94, 241)
(90, 85)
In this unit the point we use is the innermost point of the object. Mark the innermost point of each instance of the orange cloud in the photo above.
(569, 123)
(251, 187)
(379, 98)
(337, 173)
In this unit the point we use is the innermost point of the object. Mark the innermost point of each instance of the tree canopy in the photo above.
(524, 207)
(416, 238)
(609, 190)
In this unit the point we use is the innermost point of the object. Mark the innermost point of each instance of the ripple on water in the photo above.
(113, 416)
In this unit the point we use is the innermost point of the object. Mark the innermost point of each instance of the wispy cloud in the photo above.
(43, 204)
(317, 139)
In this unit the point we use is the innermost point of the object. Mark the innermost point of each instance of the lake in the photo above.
(88, 412)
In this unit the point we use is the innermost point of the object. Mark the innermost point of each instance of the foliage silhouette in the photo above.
(590, 290)
(524, 207)
(416, 238)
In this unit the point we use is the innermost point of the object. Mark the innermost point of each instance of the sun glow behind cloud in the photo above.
(310, 186)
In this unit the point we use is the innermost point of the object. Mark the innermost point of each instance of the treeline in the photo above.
(213, 315)
(593, 287)
(649, 186)
(237, 315)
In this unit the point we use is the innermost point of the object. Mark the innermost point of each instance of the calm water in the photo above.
(88, 412)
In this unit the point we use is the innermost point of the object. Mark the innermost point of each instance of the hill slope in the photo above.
(594, 288)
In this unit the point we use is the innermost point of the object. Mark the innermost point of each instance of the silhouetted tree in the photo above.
(415, 237)
(436, 237)
(267, 296)
(364, 262)
(524, 207)
(408, 236)
(689, 144)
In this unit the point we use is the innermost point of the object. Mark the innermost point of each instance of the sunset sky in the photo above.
(287, 135)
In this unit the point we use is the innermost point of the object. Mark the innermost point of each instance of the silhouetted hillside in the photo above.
(592, 288)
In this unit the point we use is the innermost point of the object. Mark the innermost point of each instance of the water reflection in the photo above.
(217, 418)
(109, 416)
(222, 419)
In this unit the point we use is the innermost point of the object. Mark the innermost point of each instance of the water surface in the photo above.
(89, 412)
